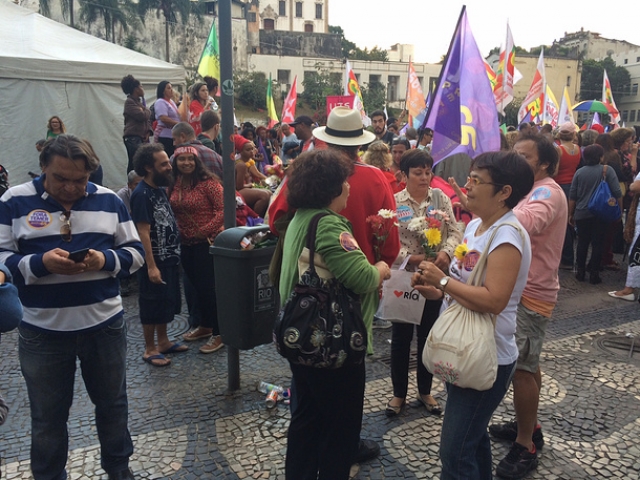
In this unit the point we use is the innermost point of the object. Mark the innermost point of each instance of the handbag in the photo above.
(602, 203)
(320, 325)
(461, 346)
(401, 303)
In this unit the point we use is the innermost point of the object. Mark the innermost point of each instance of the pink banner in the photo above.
(334, 101)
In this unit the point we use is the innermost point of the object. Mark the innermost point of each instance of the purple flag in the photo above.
(463, 116)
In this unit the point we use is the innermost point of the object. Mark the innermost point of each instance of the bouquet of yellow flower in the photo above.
(460, 252)
(381, 225)
(430, 229)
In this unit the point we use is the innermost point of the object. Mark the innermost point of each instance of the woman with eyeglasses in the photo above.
(497, 182)
(55, 127)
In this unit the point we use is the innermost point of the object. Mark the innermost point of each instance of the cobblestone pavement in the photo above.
(186, 426)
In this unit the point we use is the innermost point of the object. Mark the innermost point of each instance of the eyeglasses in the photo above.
(475, 181)
(65, 228)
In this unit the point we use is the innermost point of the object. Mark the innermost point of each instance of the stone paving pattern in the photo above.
(186, 426)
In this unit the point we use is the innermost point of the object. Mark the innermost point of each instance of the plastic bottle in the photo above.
(264, 387)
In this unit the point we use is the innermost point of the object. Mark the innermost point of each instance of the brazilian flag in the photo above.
(209, 63)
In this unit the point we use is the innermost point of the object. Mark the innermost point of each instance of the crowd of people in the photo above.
(525, 206)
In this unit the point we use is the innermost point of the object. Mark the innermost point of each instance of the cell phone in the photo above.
(78, 255)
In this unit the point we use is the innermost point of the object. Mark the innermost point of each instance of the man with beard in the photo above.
(379, 123)
(159, 282)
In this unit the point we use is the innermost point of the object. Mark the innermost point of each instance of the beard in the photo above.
(162, 179)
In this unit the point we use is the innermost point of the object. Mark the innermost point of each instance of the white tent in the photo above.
(47, 69)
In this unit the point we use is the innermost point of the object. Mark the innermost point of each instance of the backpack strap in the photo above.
(311, 237)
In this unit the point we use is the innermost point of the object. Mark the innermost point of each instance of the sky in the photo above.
(429, 25)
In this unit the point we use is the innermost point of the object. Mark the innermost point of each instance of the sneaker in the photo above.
(213, 344)
(367, 449)
(509, 431)
(380, 323)
(122, 475)
(196, 334)
(518, 462)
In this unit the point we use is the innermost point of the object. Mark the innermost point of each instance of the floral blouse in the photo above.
(407, 209)
(198, 210)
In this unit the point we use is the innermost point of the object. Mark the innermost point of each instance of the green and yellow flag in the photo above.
(271, 107)
(209, 64)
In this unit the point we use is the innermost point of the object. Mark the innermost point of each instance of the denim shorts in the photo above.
(530, 330)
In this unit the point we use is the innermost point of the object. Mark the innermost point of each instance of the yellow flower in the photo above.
(461, 251)
(433, 236)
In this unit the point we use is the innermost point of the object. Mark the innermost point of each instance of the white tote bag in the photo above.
(400, 302)
(461, 346)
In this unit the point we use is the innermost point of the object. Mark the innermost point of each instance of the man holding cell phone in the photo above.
(66, 242)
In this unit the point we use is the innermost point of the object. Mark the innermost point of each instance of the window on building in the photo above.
(374, 78)
(625, 115)
(318, 11)
(392, 88)
(251, 17)
(626, 60)
(211, 8)
(282, 8)
(308, 27)
(269, 24)
(299, 9)
(568, 80)
(283, 76)
(421, 80)
(637, 59)
(634, 89)
(632, 115)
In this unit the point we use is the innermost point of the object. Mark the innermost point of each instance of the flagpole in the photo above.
(406, 94)
(504, 69)
(544, 90)
(444, 63)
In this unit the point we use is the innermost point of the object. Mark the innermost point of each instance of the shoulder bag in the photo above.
(320, 325)
(461, 346)
(602, 203)
(400, 302)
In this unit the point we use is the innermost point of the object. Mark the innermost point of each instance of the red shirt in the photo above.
(198, 210)
(567, 166)
(195, 112)
(370, 192)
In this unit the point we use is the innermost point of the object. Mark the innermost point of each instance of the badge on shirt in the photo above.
(348, 242)
(470, 260)
(540, 193)
(38, 219)
(404, 213)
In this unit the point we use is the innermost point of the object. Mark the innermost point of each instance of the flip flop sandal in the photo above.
(175, 348)
(159, 356)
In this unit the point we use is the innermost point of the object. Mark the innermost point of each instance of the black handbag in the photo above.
(320, 325)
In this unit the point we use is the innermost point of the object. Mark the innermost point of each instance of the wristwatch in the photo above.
(444, 281)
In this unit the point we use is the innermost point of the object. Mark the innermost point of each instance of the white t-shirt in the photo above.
(506, 320)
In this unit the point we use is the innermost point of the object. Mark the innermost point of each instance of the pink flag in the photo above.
(533, 103)
(415, 97)
(503, 91)
(289, 107)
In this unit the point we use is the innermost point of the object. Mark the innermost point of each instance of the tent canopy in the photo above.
(50, 69)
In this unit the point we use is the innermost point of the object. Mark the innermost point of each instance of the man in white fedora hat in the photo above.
(370, 192)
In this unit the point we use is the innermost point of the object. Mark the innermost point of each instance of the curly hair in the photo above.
(200, 172)
(63, 129)
(621, 135)
(316, 178)
(378, 155)
(144, 157)
(129, 84)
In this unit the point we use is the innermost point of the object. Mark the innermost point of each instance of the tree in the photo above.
(350, 50)
(171, 10)
(112, 12)
(317, 85)
(592, 78)
(374, 96)
(347, 46)
(251, 88)
(67, 9)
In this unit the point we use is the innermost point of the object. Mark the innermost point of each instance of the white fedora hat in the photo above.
(344, 127)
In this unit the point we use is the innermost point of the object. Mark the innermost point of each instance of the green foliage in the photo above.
(592, 78)
(131, 42)
(347, 46)
(317, 85)
(251, 88)
(112, 13)
(373, 96)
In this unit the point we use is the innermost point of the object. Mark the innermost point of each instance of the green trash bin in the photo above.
(248, 303)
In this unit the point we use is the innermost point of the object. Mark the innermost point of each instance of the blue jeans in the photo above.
(465, 448)
(48, 363)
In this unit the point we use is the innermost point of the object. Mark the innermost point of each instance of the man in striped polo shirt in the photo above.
(72, 307)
